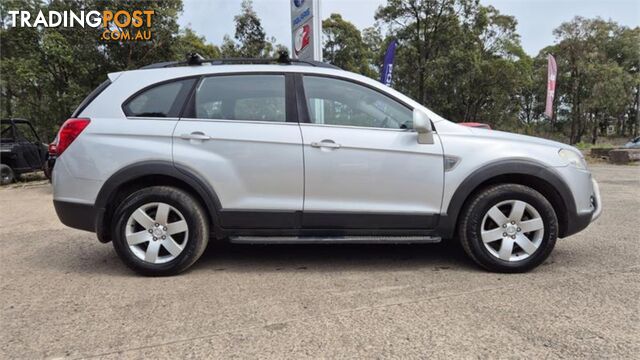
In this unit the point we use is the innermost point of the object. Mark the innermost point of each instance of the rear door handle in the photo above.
(196, 135)
(325, 144)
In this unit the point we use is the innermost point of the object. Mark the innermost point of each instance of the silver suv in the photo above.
(162, 159)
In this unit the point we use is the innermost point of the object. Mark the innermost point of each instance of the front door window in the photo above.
(339, 102)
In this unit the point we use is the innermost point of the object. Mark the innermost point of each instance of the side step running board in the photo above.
(334, 240)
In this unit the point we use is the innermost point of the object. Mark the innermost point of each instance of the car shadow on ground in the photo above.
(333, 257)
(96, 258)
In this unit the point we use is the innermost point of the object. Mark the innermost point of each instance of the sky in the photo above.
(536, 18)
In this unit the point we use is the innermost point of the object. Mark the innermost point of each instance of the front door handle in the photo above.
(330, 144)
(196, 135)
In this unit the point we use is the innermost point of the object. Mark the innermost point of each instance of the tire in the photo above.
(7, 176)
(46, 169)
(167, 249)
(524, 234)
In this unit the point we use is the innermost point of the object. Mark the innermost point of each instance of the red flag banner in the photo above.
(552, 72)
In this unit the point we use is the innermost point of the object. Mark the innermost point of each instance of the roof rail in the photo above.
(194, 59)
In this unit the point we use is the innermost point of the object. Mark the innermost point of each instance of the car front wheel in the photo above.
(160, 231)
(508, 228)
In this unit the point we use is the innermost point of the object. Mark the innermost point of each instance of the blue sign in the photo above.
(298, 3)
(387, 67)
(302, 17)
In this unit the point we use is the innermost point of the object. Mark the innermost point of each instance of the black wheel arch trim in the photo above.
(514, 167)
(147, 169)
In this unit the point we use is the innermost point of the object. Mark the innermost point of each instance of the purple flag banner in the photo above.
(387, 67)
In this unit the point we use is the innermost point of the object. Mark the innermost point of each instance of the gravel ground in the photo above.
(63, 294)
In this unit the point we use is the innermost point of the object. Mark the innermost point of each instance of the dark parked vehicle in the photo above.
(21, 150)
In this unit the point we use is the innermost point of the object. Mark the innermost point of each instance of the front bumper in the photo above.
(578, 221)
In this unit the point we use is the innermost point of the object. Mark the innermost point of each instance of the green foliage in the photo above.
(133, 54)
(250, 39)
(464, 60)
(46, 72)
(461, 59)
(587, 146)
(249, 32)
(345, 47)
(188, 41)
(598, 80)
(458, 57)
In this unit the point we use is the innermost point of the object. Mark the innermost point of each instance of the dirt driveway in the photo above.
(63, 294)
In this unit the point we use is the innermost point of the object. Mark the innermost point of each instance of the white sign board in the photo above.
(306, 30)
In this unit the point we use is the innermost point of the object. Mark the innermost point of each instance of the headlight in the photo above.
(573, 158)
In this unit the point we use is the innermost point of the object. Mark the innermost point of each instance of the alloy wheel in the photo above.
(512, 230)
(156, 233)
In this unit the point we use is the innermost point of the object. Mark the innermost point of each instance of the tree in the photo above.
(46, 72)
(188, 41)
(461, 59)
(624, 50)
(486, 88)
(425, 30)
(599, 75)
(607, 96)
(345, 47)
(249, 32)
(531, 90)
(250, 39)
(134, 54)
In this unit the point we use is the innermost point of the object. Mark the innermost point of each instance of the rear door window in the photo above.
(242, 97)
(164, 100)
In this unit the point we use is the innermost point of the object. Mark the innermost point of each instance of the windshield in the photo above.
(25, 132)
(6, 132)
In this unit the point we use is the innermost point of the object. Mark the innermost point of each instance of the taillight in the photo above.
(69, 132)
(53, 149)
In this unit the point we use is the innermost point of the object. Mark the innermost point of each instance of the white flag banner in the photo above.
(552, 73)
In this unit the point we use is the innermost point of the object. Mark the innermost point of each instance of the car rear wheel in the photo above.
(160, 231)
(508, 228)
(7, 176)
